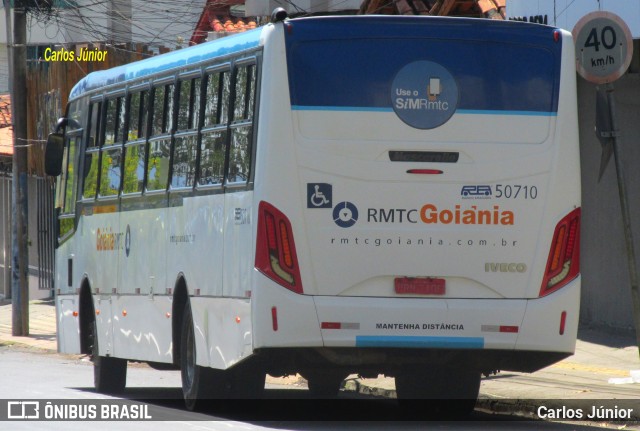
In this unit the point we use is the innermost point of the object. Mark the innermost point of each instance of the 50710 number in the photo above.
(508, 191)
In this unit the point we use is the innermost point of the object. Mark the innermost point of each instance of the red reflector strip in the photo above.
(274, 318)
(563, 321)
(420, 286)
(508, 329)
(340, 325)
(425, 171)
(330, 325)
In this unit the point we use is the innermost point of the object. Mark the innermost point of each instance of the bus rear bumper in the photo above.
(547, 324)
(541, 324)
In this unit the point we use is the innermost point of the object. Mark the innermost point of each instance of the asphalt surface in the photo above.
(602, 378)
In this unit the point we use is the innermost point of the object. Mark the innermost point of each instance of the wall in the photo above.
(606, 294)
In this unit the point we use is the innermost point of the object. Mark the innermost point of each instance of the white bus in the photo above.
(325, 196)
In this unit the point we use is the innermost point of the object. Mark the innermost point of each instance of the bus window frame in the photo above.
(110, 96)
(93, 150)
(232, 123)
(225, 68)
(166, 132)
(67, 216)
(146, 89)
(177, 133)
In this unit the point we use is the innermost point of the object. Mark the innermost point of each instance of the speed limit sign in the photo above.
(603, 47)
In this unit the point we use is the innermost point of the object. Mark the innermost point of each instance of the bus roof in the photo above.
(165, 62)
(341, 26)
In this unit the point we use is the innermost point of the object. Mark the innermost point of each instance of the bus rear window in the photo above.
(364, 75)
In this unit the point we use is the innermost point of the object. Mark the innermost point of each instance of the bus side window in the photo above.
(242, 125)
(135, 151)
(214, 132)
(92, 155)
(71, 180)
(134, 169)
(160, 139)
(185, 143)
(137, 115)
(111, 150)
(184, 106)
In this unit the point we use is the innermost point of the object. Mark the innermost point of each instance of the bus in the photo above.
(325, 196)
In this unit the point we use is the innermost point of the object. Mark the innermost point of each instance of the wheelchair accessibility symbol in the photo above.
(345, 214)
(319, 195)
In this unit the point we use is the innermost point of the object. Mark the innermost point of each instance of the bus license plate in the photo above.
(420, 286)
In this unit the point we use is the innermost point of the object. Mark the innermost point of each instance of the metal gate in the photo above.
(45, 190)
(41, 231)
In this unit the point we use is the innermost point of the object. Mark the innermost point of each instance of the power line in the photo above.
(94, 21)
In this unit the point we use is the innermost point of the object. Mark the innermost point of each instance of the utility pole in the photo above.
(19, 232)
(6, 224)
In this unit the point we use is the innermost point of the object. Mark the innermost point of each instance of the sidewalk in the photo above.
(42, 325)
(599, 371)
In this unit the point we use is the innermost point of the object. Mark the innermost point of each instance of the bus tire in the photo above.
(450, 392)
(198, 383)
(109, 374)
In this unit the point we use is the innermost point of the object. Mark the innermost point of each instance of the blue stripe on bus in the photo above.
(417, 341)
(523, 113)
(352, 61)
(340, 108)
(183, 57)
(459, 111)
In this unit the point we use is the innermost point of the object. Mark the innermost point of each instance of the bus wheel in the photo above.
(450, 392)
(198, 383)
(109, 374)
(324, 384)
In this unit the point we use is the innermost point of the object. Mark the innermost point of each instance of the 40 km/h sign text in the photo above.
(603, 47)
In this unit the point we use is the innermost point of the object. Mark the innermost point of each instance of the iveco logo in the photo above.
(505, 267)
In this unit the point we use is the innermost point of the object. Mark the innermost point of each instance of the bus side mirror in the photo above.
(53, 153)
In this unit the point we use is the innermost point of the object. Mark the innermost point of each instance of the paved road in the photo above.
(35, 374)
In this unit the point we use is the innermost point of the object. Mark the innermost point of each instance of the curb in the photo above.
(13, 342)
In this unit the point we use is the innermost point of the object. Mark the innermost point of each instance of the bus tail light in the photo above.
(563, 264)
(275, 249)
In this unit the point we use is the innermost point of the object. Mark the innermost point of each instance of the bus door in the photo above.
(65, 257)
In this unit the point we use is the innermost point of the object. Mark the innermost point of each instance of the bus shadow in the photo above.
(286, 405)
(609, 337)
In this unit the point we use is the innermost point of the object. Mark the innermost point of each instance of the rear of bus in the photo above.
(419, 200)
